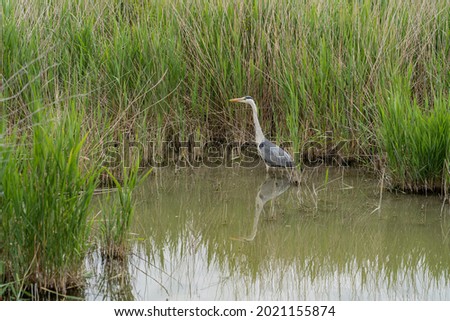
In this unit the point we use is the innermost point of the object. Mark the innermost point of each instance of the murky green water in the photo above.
(236, 234)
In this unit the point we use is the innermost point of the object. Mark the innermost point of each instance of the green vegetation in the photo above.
(45, 204)
(47, 188)
(116, 218)
(77, 75)
(163, 69)
(417, 142)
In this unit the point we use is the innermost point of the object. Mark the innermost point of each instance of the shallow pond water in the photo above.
(240, 234)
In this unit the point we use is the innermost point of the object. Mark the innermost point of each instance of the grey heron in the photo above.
(273, 155)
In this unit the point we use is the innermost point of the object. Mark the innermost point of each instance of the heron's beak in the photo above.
(236, 100)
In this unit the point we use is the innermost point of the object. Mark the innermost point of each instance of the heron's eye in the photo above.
(248, 97)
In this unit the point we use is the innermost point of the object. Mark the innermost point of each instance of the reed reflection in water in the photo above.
(313, 242)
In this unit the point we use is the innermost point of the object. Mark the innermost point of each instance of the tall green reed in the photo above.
(45, 202)
(416, 140)
(117, 215)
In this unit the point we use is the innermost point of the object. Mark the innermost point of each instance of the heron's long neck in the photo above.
(259, 136)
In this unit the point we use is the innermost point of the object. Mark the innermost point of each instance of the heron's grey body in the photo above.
(273, 155)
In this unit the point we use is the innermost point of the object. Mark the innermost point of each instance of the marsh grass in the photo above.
(162, 70)
(45, 204)
(117, 212)
(417, 142)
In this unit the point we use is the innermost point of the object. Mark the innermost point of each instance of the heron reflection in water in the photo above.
(269, 190)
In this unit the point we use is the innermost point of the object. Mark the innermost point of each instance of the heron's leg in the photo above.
(293, 176)
(273, 212)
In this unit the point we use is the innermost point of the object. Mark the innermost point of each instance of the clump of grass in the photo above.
(45, 202)
(117, 217)
(416, 140)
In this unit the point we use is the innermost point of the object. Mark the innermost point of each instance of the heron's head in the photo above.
(245, 99)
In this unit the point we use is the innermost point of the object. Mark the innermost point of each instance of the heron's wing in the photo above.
(274, 155)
